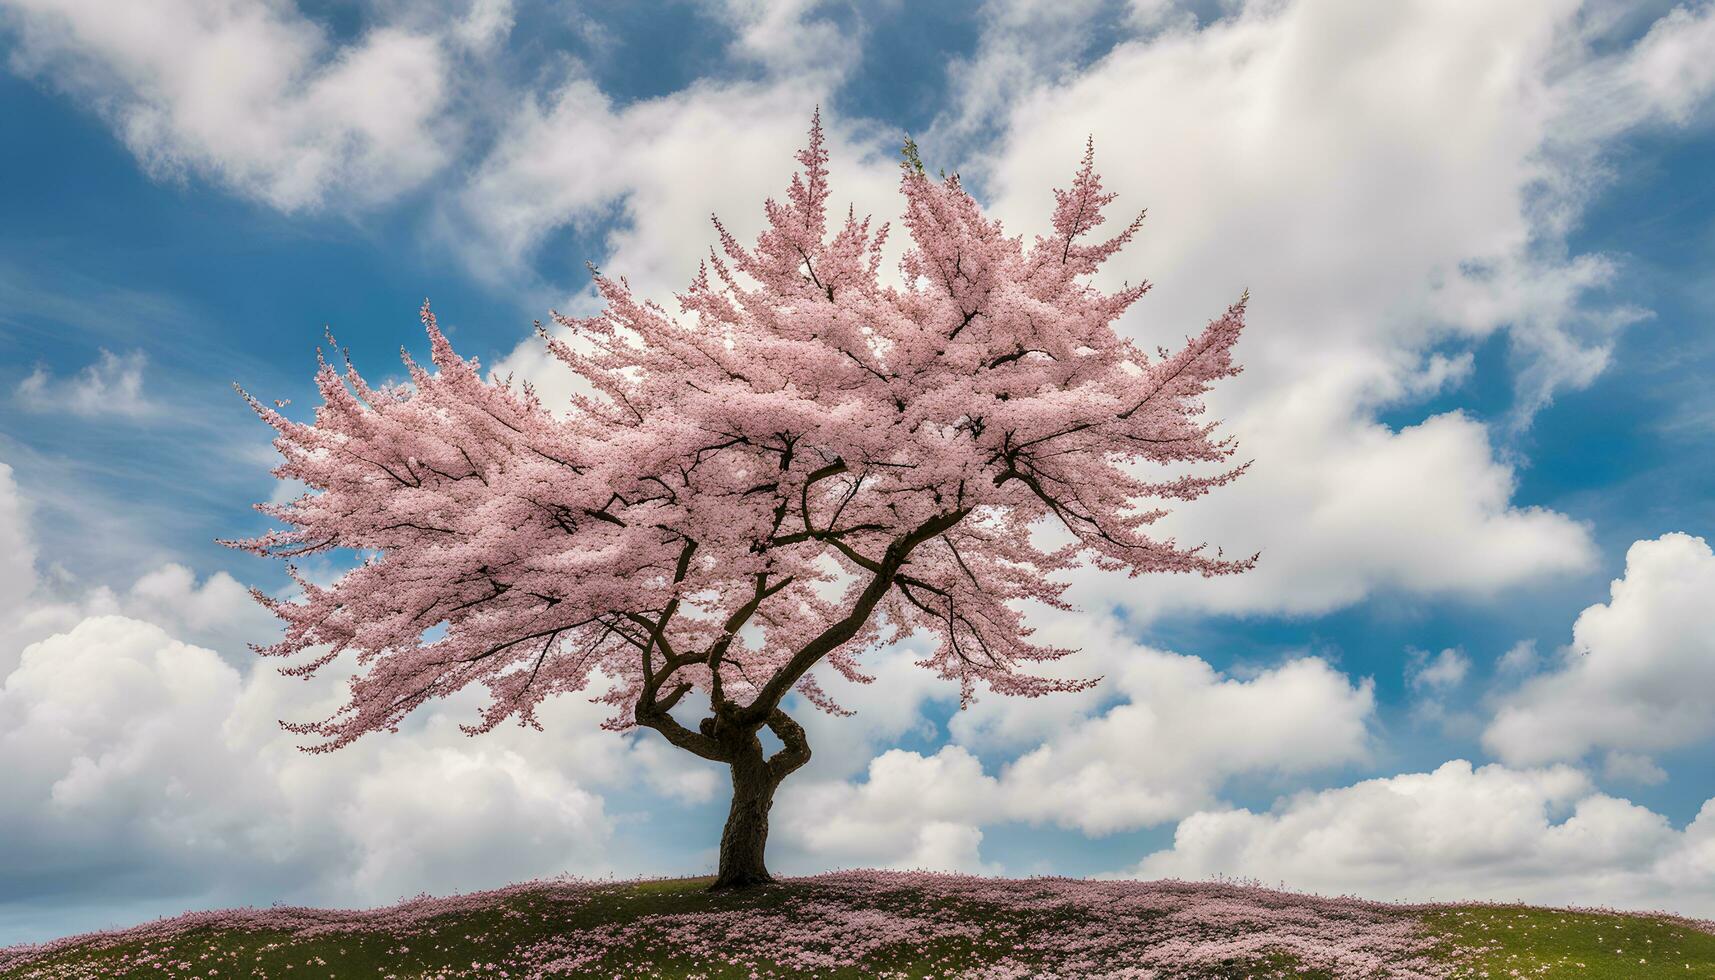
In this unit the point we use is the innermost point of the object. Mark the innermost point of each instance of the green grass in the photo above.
(1477, 941)
(1552, 943)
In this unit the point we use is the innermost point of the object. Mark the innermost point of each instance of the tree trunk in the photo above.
(746, 835)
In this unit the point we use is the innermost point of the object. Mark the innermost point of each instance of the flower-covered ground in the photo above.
(887, 924)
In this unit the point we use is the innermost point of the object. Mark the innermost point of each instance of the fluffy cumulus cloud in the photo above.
(1635, 678)
(1539, 835)
(248, 93)
(127, 748)
(1532, 827)
(156, 766)
(1342, 507)
(1171, 734)
(912, 811)
(1388, 203)
(1182, 731)
(215, 612)
(1374, 194)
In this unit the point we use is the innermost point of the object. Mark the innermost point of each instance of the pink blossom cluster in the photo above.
(799, 462)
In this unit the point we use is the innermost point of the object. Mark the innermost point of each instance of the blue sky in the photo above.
(1479, 245)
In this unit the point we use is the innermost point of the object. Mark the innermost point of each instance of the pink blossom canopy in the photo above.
(804, 462)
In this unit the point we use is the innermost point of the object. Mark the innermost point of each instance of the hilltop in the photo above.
(887, 924)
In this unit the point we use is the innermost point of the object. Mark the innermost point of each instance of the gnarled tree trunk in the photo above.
(744, 842)
(745, 838)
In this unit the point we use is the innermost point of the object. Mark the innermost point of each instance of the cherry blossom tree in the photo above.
(807, 462)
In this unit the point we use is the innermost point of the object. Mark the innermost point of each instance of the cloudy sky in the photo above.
(1475, 661)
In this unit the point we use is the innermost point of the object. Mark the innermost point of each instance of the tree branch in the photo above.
(795, 747)
(768, 699)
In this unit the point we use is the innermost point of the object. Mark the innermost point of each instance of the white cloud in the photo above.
(173, 589)
(1148, 677)
(1458, 833)
(1342, 507)
(1388, 203)
(1637, 674)
(217, 612)
(1178, 734)
(157, 768)
(18, 572)
(1444, 670)
(1284, 130)
(911, 812)
(666, 164)
(1184, 731)
(788, 36)
(123, 745)
(451, 815)
(247, 93)
(1629, 767)
(1520, 658)
(485, 25)
(1022, 44)
(885, 711)
(112, 385)
(130, 752)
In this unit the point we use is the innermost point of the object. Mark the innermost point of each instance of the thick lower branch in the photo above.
(653, 716)
(795, 747)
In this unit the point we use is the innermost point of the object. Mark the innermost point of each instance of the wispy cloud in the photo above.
(110, 386)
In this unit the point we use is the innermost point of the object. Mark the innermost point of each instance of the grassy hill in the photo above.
(887, 924)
